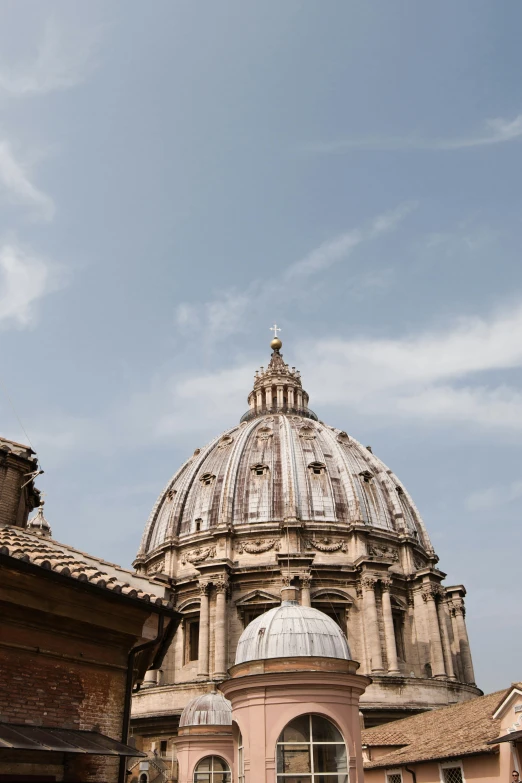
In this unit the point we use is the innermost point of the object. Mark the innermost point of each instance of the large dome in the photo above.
(292, 631)
(281, 466)
(282, 500)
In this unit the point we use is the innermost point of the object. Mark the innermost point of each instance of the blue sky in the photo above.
(176, 176)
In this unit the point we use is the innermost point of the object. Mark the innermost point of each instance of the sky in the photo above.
(176, 176)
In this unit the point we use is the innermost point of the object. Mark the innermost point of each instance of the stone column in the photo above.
(290, 396)
(280, 396)
(459, 612)
(305, 590)
(203, 631)
(459, 670)
(220, 629)
(442, 611)
(259, 405)
(299, 398)
(268, 398)
(389, 631)
(429, 592)
(371, 623)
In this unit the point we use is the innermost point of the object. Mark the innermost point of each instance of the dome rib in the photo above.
(226, 505)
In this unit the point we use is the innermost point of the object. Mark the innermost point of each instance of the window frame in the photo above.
(211, 772)
(313, 776)
(189, 620)
(451, 765)
(390, 772)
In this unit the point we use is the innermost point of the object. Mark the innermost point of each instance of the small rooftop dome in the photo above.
(39, 525)
(211, 709)
(292, 631)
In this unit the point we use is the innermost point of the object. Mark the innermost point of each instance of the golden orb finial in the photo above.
(276, 343)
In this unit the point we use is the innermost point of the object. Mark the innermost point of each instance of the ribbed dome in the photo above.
(211, 709)
(292, 631)
(281, 466)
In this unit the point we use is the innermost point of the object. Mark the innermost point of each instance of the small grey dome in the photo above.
(292, 631)
(211, 709)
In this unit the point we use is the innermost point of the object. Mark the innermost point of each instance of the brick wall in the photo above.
(16, 501)
(48, 691)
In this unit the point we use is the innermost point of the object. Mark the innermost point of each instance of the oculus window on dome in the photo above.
(310, 749)
(212, 769)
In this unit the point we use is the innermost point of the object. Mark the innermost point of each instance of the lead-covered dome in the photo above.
(292, 631)
(280, 463)
(211, 709)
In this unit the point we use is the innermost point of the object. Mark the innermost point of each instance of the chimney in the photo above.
(18, 495)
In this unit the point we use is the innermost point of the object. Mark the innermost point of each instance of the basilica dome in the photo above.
(292, 631)
(280, 463)
(283, 501)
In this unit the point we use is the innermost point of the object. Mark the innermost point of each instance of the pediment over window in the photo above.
(256, 597)
(328, 596)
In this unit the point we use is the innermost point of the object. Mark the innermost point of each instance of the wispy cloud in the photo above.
(17, 187)
(495, 496)
(340, 248)
(433, 376)
(227, 311)
(24, 279)
(64, 58)
(496, 131)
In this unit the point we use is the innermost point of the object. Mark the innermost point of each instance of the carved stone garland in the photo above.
(326, 545)
(258, 546)
(198, 555)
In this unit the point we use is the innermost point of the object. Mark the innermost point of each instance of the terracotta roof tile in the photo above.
(449, 732)
(48, 554)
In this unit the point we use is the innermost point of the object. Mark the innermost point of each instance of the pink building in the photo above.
(291, 707)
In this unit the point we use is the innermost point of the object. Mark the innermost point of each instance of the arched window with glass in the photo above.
(310, 749)
(212, 769)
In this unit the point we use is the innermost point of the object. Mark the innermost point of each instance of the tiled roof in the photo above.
(46, 553)
(449, 732)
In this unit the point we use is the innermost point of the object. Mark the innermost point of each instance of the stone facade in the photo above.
(284, 498)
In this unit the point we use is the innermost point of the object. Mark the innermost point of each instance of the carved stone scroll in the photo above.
(387, 552)
(157, 567)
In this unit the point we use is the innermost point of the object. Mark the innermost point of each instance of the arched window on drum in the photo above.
(310, 749)
(212, 769)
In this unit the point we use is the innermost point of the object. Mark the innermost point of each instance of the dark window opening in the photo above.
(207, 479)
(191, 640)
(259, 470)
(398, 627)
(251, 614)
(427, 671)
(337, 614)
(317, 468)
(163, 748)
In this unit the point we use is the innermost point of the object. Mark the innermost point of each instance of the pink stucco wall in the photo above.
(195, 742)
(266, 695)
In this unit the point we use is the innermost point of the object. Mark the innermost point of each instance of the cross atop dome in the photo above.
(276, 343)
